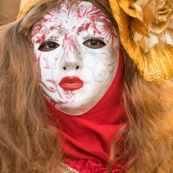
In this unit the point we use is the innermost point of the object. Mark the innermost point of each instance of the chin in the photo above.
(74, 109)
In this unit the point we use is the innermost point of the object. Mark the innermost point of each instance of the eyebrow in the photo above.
(92, 36)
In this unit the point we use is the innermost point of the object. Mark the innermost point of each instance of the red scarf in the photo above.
(87, 137)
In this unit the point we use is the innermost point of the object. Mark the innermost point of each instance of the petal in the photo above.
(139, 26)
(162, 37)
(171, 17)
(169, 38)
(147, 43)
(151, 5)
(141, 2)
(129, 8)
(139, 9)
(171, 24)
(161, 4)
(153, 40)
(137, 37)
(158, 28)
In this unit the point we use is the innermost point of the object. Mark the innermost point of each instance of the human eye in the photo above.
(48, 46)
(94, 43)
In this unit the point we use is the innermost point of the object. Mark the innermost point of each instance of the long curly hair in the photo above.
(148, 132)
(28, 141)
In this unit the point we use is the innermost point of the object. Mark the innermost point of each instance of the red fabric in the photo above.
(88, 166)
(88, 136)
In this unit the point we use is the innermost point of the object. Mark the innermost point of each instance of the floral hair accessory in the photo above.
(25, 6)
(146, 32)
(157, 16)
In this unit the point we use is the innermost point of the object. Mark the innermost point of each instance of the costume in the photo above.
(101, 72)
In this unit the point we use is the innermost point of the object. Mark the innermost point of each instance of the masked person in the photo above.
(83, 87)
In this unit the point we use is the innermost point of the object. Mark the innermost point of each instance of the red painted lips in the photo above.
(71, 83)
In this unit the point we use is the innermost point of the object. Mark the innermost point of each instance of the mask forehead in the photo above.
(77, 17)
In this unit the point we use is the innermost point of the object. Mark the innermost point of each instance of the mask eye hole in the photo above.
(48, 46)
(94, 43)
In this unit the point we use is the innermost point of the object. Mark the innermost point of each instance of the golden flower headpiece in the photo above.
(146, 33)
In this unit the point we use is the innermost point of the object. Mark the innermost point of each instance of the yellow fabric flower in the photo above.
(146, 33)
(157, 16)
(25, 7)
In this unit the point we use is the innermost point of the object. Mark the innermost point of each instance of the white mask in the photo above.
(76, 50)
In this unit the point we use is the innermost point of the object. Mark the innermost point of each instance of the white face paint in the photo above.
(76, 50)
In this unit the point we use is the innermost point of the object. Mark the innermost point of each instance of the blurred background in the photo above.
(8, 10)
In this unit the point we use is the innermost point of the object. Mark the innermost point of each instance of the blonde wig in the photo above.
(28, 142)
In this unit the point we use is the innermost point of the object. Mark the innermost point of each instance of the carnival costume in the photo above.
(145, 29)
